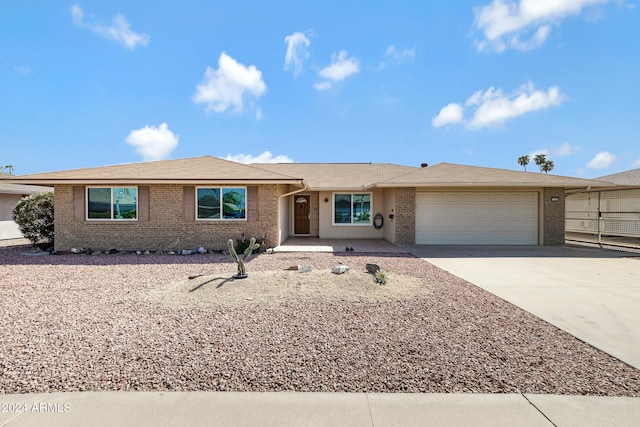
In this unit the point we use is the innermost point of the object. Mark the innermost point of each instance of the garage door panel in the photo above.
(477, 218)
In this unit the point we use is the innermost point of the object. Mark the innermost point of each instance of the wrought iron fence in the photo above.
(609, 219)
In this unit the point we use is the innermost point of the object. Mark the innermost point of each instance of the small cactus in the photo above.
(242, 269)
(381, 277)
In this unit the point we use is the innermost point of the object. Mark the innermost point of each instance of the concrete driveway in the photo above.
(593, 294)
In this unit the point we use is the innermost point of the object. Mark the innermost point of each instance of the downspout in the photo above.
(291, 193)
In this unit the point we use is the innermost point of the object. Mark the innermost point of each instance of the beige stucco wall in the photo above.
(329, 231)
(7, 203)
(166, 227)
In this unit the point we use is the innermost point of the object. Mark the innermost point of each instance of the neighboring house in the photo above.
(607, 216)
(10, 195)
(204, 201)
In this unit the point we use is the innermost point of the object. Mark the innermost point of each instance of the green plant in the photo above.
(34, 216)
(243, 244)
(240, 260)
(381, 277)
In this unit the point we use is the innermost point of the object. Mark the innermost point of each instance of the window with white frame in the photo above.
(112, 203)
(352, 208)
(221, 203)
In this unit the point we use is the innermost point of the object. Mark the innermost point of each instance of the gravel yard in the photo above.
(135, 322)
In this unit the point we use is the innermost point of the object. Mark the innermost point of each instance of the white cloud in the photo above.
(601, 160)
(228, 85)
(493, 107)
(395, 56)
(119, 31)
(22, 69)
(297, 52)
(566, 149)
(341, 67)
(449, 114)
(153, 143)
(322, 86)
(636, 164)
(523, 25)
(265, 157)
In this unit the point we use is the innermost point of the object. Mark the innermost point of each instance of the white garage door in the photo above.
(491, 218)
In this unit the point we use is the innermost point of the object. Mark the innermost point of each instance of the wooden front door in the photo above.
(302, 215)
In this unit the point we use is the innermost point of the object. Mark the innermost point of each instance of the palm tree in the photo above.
(547, 166)
(9, 168)
(540, 159)
(523, 161)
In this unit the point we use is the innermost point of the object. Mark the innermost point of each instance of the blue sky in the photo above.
(480, 82)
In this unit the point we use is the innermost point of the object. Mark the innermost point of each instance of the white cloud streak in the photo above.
(119, 31)
(228, 85)
(601, 160)
(153, 143)
(492, 108)
(395, 56)
(265, 157)
(340, 68)
(449, 114)
(566, 149)
(297, 52)
(523, 25)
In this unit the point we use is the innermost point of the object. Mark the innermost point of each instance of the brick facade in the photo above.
(165, 227)
(405, 216)
(553, 217)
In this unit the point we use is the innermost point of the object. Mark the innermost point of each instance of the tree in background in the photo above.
(523, 161)
(9, 168)
(34, 216)
(547, 166)
(539, 159)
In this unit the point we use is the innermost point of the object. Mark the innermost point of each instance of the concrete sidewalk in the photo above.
(314, 409)
(591, 293)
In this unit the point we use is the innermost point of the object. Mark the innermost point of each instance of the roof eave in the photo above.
(149, 181)
(486, 184)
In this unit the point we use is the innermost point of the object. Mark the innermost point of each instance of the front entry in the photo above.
(302, 216)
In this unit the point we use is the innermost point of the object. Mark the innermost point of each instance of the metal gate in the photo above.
(608, 219)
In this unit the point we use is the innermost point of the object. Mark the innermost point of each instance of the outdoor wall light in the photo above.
(326, 200)
(555, 198)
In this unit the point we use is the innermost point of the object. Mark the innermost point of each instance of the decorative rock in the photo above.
(339, 269)
(372, 268)
(304, 268)
(202, 250)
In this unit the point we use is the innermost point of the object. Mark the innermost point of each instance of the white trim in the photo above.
(222, 218)
(112, 219)
(350, 224)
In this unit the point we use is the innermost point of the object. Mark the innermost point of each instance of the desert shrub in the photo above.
(34, 216)
(242, 245)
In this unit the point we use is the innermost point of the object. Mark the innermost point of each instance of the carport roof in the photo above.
(630, 177)
(21, 189)
(449, 175)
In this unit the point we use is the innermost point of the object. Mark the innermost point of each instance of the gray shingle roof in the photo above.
(631, 177)
(447, 174)
(22, 189)
(196, 169)
(340, 176)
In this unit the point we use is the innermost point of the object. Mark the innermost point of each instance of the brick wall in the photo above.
(553, 217)
(405, 216)
(165, 226)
